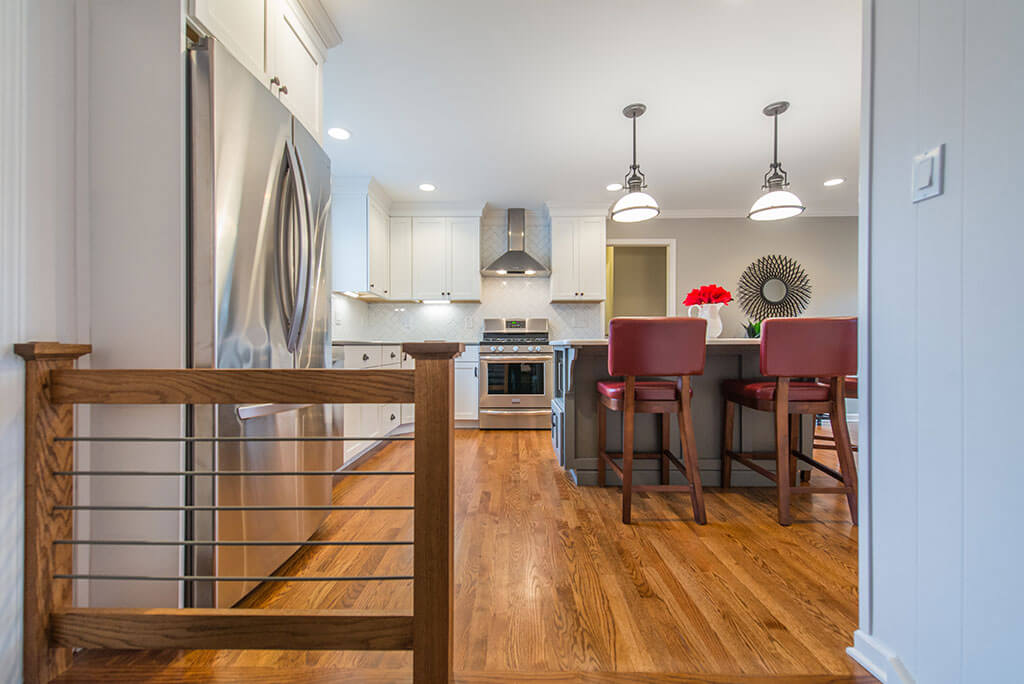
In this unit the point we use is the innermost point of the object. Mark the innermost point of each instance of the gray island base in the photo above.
(580, 364)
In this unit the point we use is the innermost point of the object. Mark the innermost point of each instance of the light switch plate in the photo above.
(928, 173)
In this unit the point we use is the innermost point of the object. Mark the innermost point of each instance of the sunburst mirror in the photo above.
(774, 286)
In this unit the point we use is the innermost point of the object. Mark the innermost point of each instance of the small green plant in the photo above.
(753, 328)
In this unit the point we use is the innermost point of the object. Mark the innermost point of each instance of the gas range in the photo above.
(516, 374)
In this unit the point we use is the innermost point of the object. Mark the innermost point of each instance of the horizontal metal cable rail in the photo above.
(53, 626)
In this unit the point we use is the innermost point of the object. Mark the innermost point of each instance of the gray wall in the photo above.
(945, 555)
(719, 250)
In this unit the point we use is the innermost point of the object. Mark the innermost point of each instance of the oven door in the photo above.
(512, 381)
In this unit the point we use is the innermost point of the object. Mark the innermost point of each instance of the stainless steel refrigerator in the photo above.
(259, 194)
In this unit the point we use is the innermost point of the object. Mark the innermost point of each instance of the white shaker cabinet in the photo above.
(430, 246)
(240, 25)
(296, 62)
(360, 228)
(464, 259)
(446, 258)
(467, 391)
(577, 258)
(400, 258)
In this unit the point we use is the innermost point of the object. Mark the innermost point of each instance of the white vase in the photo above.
(712, 313)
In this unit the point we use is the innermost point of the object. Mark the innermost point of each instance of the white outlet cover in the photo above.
(927, 174)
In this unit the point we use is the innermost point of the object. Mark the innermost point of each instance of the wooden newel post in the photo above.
(434, 527)
(44, 422)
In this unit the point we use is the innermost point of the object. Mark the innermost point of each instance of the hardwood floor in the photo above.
(548, 580)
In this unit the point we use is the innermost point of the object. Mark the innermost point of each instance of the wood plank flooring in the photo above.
(552, 587)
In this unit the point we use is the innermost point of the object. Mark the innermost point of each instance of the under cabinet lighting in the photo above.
(350, 293)
(435, 301)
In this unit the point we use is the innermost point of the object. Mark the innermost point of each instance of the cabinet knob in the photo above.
(393, 355)
(275, 81)
(283, 90)
(366, 357)
(392, 416)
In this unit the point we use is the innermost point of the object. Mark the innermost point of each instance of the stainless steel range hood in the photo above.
(515, 261)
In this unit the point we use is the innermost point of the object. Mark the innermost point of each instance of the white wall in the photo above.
(944, 556)
(38, 264)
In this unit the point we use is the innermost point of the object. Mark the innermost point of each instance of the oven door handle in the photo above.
(516, 412)
(516, 359)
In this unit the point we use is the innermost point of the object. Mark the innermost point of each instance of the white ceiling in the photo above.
(516, 102)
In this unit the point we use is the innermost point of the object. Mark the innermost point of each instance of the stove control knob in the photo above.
(529, 349)
(493, 348)
(515, 349)
(501, 349)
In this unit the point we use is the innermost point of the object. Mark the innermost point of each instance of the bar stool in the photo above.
(652, 347)
(828, 442)
(824, 348)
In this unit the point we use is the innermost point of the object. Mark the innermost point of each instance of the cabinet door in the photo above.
(294, 59)
(390, 417)
(564, 280)
(464, 234)
(369, 421)
(590, 259)
(429, 258)
(353, 428)
(467, 392)
(377, 248)
(400, 266)
(240, 26)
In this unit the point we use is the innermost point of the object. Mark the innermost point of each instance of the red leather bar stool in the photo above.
(823, 348)
(662, 347)
(828, 442)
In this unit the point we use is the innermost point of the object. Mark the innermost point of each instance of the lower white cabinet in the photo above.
(467, 391)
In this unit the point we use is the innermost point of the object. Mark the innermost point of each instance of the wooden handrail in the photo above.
(53, 627)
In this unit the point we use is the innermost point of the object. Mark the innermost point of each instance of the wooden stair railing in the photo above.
(53, 627)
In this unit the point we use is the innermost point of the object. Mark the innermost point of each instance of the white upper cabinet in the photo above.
(283, 43)
(446, 258)
(360, 254)
(578, 258)
(240, 25)
(295, 63)
(464, 282)
(430, 248)
(400, 262)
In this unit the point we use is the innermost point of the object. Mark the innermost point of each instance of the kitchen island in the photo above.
(580, 363)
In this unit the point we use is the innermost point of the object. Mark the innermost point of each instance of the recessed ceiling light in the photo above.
(428, 187)
(614, 187)
(833, 182)
(339, 133)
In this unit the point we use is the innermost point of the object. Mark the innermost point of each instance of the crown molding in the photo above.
(366, 186)
(325, 28)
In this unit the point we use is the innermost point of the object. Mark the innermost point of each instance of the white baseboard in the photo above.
(880, 661)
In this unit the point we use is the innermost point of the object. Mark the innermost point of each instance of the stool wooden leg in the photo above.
(602, 441)
(728, 418)
(666, 441)
(782, 448)
(842, 433)
(689, 442)
(628, 423)
(794, 444)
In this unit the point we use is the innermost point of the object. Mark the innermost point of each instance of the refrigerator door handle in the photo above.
(302, 188)
(293, 271)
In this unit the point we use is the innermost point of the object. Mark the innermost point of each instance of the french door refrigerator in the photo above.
(259, 194)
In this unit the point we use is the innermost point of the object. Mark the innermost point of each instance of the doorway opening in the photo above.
(640, 278)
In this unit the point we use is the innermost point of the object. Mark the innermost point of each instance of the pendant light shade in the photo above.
(777, 202)
(636, 205)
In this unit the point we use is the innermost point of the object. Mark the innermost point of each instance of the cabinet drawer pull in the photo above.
(366, 357)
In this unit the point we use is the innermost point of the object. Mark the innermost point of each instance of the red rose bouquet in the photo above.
(708, 294)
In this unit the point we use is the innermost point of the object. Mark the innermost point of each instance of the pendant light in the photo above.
(777, 202)
(635, 205)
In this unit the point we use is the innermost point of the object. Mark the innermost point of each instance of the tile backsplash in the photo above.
(463, 322)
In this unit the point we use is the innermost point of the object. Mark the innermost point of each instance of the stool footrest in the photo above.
(820, 490)
(663, 488)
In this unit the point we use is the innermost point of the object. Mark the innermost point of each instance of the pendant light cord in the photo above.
(634, 142)
(775, 152)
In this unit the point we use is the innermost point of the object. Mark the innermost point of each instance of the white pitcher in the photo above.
(712, 313)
